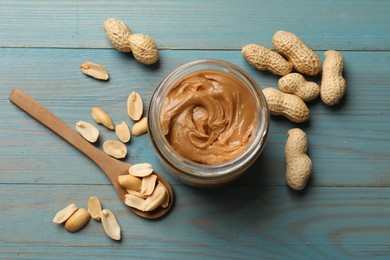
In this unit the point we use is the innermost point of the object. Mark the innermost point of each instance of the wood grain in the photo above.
(343, 213)
(267, 223)
(195, 24)
(355, 131)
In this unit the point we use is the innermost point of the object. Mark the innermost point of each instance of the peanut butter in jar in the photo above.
(209, 117)
(208, 122)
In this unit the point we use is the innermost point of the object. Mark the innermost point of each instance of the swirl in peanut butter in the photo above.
(209, 117)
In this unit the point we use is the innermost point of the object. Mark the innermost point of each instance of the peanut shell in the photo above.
(302, 57)
(295, 83)
(288, 105)
(144, 48)
(333, 85)
(118, 33)
(298, 164)
(262, 58)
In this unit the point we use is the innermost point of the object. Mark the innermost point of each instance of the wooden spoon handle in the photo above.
(110, 166)
(44, 116)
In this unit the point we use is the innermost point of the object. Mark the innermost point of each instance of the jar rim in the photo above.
(189, 167)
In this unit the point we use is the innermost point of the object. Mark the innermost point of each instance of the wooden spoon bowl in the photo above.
(110, 166)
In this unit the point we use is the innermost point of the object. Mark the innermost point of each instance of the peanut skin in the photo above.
(333, 85)
(262, 58)
(288, 105)
(77, 221)
(303, 58)
(295, 83)
(298, 163)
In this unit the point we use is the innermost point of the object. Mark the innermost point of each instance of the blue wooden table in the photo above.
(343, 213)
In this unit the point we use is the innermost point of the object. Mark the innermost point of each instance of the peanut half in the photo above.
(295, 83)
(145, 192)
(110, 224)
(94, 70)
(88, 131)
(288, 105)
(265, 59)
(148, 184)
(118, 33)
(333, 85)
(94, 208)
(78, 220)
(151, 202)
(115, 149)
(144, 48)
(122, 131)
(135, 106)
(64, 214)
(141, 169)
(302, 57)
(137, 193)
(298, 164)
(140, 127)
(101, 117)
(156, 198)
(130, 182)
(167, 199)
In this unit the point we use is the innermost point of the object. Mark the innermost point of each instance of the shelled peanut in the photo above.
(114, 148)
(94, 70)
(145, 192)
(135, 106)
(77, 220)
(88, 131)
(122, 131)
(74, 218)
(101, 117)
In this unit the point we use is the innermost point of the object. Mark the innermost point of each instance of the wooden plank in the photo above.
(41, 72)
(231, 222)
(342, 214)
(348, 144)
(342, 25)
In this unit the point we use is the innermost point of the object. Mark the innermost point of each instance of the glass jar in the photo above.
(193, 173)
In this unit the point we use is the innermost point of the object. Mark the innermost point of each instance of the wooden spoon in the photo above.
(110, 166)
